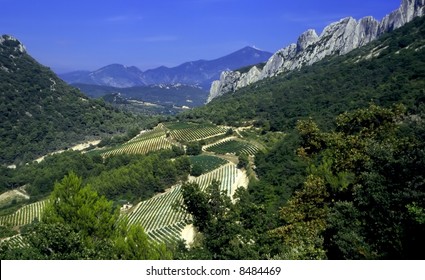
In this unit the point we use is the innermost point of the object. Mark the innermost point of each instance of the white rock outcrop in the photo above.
(338, 38)
(18, 48)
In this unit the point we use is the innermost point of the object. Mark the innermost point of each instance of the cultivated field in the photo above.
(25, 215)
(196, 132)
(160, 217)
(233, 147)
(141, 146)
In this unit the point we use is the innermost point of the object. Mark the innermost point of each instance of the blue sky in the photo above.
(87, 34)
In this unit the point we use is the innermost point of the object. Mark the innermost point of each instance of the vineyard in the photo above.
(145, 142)
(159, 216)
(141, 146)
(206, 163)
(15, 241)
(25, 215)
(157, 138)
(198, 132)
(233, 147)
(149, 134)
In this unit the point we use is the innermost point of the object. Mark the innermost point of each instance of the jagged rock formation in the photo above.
(338, 38)
(11, 44)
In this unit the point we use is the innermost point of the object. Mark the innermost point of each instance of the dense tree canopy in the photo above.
(80, 224)
(39, 113)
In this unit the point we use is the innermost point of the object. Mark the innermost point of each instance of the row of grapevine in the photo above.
(141, 147)
(159, 211)
(207, 163)
(226, 175)
(25, 215)
(160, 217)
(233, 147)
(154, 133)
(15, 241)
(197, 133)
(168, 234)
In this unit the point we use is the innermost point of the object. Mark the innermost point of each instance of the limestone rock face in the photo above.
(227, 83)
(306, 39)
(408, 10)
(7, 41)
(338, 38)
(248, 78)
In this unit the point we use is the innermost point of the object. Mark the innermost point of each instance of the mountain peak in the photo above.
(11, 42)
(250, 48)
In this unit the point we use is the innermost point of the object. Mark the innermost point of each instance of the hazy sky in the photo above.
(86, 34)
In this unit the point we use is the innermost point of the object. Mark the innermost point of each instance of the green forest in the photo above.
(337, 171)
(39, 113)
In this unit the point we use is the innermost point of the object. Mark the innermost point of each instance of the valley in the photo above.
(157, 215)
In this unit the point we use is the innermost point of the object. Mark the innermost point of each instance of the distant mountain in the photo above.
(114, 75)
(39, 113)
(338, 38)
(201, 72)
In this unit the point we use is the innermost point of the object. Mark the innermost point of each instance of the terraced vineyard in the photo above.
(226, 175)
(25, 215)
(207, 163)
(154, 140)
(147, 141)
(233, 147)
(162, 221)
(141, 146)
(160, 218)
(149, 134)
(158, 212)
(198, 132)
(15, 241)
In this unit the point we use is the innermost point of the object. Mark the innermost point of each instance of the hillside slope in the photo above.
(338, 38)
(386, 71)
(40, 113)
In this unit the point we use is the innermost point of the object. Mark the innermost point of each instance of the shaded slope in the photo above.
(40, 113)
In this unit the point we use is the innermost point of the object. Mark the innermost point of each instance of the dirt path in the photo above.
(188, 234)
(242, 181)
(10, 195)
(78, 147)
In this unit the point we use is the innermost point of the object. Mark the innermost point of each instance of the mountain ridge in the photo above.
(200, 72)
(337, 38)
(40, 113)
(386, 71)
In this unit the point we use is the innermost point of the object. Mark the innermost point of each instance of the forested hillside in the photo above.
(389, 70)
(347, 180)
(40, 113)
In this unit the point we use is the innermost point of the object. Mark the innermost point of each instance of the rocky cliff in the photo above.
(338, 38)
